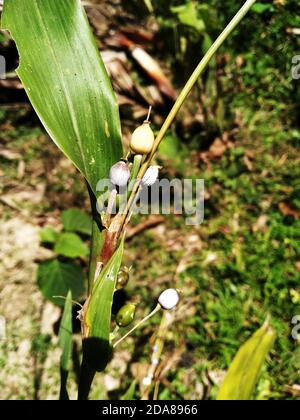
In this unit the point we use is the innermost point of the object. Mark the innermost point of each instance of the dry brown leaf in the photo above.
(10, 154)
(288, 209)
(217, 149)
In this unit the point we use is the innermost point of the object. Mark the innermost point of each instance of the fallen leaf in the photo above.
(10, 154)
(288, 210)
(217, 149)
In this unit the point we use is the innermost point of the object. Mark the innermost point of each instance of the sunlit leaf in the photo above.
(48, 235)
(98, 313)
(71, 245)
(66, 81)
(244, 371)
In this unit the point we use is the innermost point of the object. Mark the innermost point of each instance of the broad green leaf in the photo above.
(49, 235)
(56, 279)
(98, 313)
(71, 245)
(244, 371)
(66, 81)
(75, 220)
(65, 342)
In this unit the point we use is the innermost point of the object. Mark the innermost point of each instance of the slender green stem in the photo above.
(97, 241)
(136, 167)
(87, 374)
(198, 71)
(185, 92)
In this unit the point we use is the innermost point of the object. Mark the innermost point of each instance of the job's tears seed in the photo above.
(126, 314)
(150, 176)
(123, 277)
(119, 174)
(142, 139)
(168, 299)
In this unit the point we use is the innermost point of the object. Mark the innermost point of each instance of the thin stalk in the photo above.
(87, 374)
(185, 92)
(97, 241)
(197, 73)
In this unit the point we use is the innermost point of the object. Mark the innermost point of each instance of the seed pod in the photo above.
(168, 299)
(126, 314)
(142, 139)
(119, 174)
(150, 176)
(123, 278)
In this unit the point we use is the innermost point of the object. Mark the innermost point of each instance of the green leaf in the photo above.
(66, 81)
(56, 279)
(262, 7)
(98, 313)
(170, 147)
(65, 342)
(244, 371)
(71, 245)
(75, 220)
(48, 235)
(187, 14)
(129, 394)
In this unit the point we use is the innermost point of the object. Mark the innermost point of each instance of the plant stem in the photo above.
(97, 241)
(197, 73)
(185, 92)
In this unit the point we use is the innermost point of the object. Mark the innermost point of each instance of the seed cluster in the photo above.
(142, 142)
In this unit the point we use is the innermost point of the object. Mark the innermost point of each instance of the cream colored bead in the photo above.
(142, 139)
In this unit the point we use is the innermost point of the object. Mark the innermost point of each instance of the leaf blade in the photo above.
(55, 278)
(97, 317)
(243, 373)
(65, 343)
(75, 220)
(66, 82)
(71, 245)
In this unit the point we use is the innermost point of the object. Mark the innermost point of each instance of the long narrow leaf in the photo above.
(97, 318)
(243, 373)
(66, 81)
(65, 342)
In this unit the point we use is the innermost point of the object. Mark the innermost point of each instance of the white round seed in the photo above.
(168, 299)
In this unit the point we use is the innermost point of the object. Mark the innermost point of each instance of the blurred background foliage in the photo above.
(239, 131)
